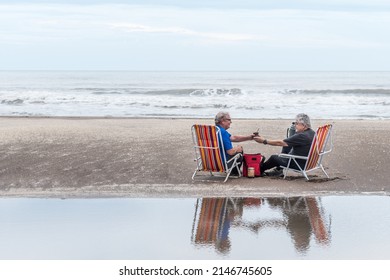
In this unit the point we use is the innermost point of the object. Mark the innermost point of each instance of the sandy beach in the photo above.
(119, 157)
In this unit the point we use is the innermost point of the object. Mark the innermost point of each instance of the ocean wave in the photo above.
(217, 92)
(37, 102)
(244, 95)
(17, 101)
(207, 106)
(100, 92)
(164, 92)
(192, 92)
(138, 91)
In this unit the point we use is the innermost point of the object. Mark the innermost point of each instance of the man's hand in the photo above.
(259, 139)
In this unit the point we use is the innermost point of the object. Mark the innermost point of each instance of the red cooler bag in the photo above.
(252, 160)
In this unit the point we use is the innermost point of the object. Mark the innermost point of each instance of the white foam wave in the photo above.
(244, 95)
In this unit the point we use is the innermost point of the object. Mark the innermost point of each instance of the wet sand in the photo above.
(118, 157)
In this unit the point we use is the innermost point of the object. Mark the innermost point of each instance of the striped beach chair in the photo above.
(209, 152)
(322, 144)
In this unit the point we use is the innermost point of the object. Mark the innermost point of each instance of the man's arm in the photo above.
(261, 139)
(235, 150)
(241, 138)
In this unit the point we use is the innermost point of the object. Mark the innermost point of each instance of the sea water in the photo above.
(328, 227)
(266, 95)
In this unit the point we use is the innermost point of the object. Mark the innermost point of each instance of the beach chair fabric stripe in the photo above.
(209, 148)
(317, 146)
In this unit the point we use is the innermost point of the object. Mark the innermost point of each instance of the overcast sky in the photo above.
(244, 35)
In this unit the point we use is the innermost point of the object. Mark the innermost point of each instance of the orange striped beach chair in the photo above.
(208, 145)
(322, 144)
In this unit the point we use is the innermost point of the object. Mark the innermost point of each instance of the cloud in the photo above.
(277, 27)
(139, 33)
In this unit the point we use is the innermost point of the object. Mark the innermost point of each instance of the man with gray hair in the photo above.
(223, 121)
(297, 144)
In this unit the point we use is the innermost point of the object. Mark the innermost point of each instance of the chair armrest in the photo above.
(291, 156)
(325, 152)
(233, 158)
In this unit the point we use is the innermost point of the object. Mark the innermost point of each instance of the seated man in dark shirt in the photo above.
(298, 144)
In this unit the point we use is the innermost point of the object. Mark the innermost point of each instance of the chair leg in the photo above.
(233, 203)
(285, 170)
(304, 174)
(227, 175)
(193, 176)
(234, 165)
(323, 170)
(302, 171)
(229, 171)
(239, 172)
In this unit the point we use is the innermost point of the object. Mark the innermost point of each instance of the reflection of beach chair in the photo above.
(302, 217)
(321, 233)
(209, 152)
(322, 144)
(211, 221)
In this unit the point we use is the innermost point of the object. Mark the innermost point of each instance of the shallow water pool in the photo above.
(327, 227)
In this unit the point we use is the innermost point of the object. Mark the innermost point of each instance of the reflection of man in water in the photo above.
(222, 243)
(301, 219)
(297, 220)
(234, 209)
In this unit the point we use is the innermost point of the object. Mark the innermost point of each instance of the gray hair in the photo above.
(303, 119)
(220, 116)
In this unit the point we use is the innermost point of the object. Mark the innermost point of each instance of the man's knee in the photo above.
(274, 158)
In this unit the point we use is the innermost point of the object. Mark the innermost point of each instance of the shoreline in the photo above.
(184, 118)
(89, 157)
(172, 191)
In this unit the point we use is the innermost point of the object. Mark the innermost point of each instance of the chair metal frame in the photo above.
(322, 144)
(208, 144)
